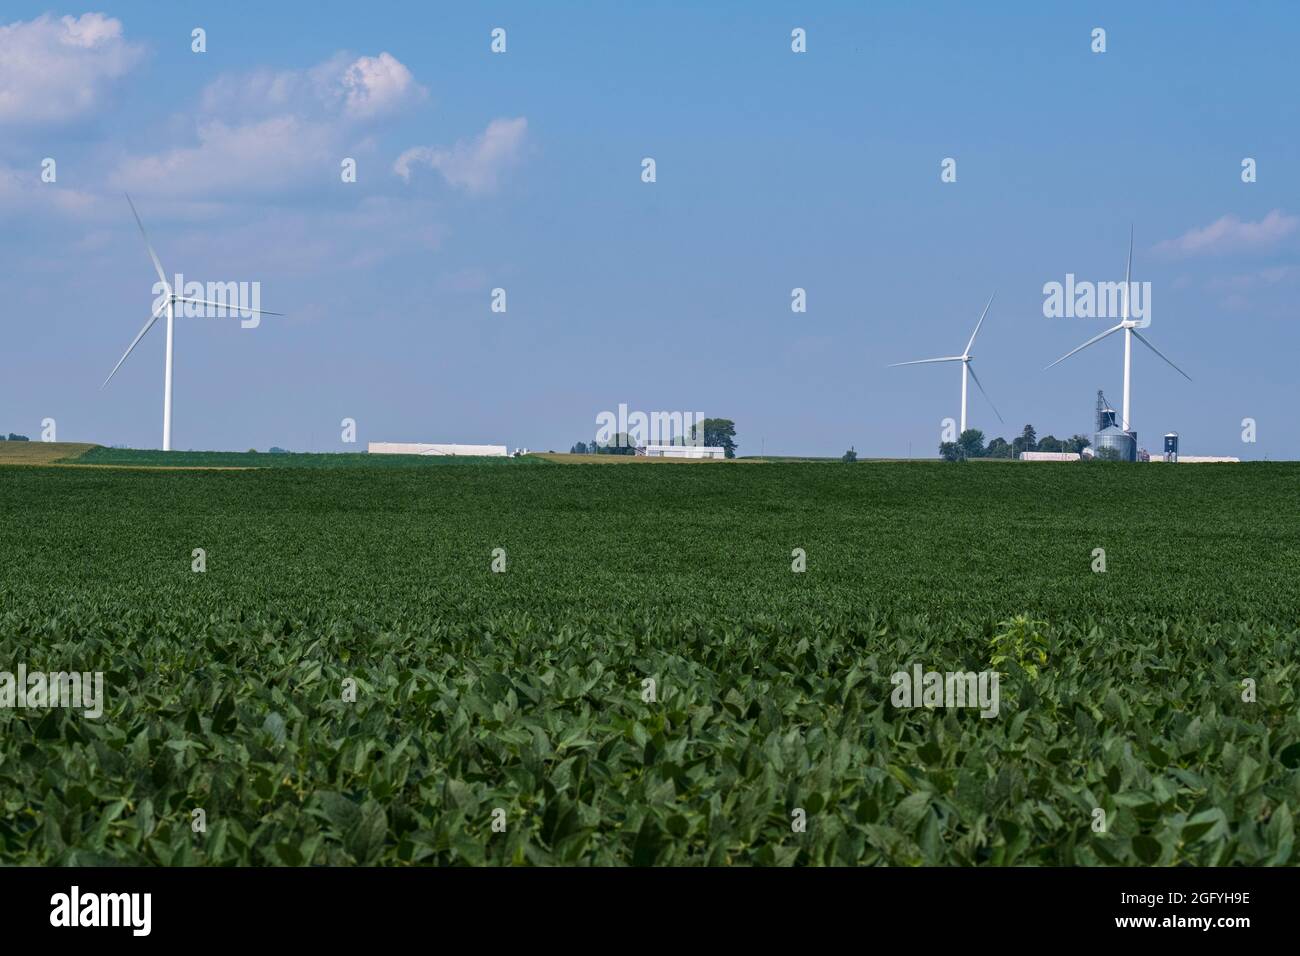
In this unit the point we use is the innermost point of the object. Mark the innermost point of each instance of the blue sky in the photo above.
(775, 170)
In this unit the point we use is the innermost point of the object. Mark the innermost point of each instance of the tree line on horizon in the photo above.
(718, 432)
(970, 444)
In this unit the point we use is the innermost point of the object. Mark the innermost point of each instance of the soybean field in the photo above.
(522, 662)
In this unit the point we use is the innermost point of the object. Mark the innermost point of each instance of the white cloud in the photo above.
(56, 70)
(357, 88)
(256, 241)
(271, 130)
(24, 190)
(374, 85)
(475, 165)
(1230, 234)
(259, 92)
(254, 157)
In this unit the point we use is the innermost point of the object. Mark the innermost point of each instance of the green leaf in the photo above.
(1290, 756)
(911, 810)
(341, 812)
(366, 839)
(274, 725)
(1147, 848)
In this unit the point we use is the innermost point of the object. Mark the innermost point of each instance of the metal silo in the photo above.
(1112, 442)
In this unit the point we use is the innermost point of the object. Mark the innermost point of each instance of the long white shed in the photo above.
(434, 448)
(1049, 456)
(683, 451)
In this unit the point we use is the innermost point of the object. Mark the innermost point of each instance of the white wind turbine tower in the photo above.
(1130, 329)
(169, 306)
(965, 359)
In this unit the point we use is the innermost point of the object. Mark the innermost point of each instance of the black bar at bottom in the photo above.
(333, 906)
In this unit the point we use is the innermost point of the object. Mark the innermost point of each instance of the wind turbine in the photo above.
(169, 307)
(965, 359)
(1130, 329)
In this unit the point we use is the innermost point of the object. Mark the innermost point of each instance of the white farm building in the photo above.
(1049, 456)
(1201, 459)
(682, 451)
(434, 448)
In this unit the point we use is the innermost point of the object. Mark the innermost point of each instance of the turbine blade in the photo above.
(946, 358)
(136, 341)
(971, 366)
(1128, 271)
(152, 255)
(1161, 354)
(226, 305)
(978, 324)
(1094, 339)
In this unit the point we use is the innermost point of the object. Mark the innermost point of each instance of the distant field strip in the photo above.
(99, 455)
(40, 452)
(568, 459)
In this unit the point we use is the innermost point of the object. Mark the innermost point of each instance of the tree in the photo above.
(952, 451)
(1050, 443)
(719, 432)
(998, 448)
(621, 445)
(1076, 444)
(1030, 438)
(972, 443)
(849, 456)
(579, 449)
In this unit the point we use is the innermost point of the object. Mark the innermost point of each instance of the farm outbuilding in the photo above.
(434, 448)
(1049, 456)
(1201, 459)
(683, 451)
